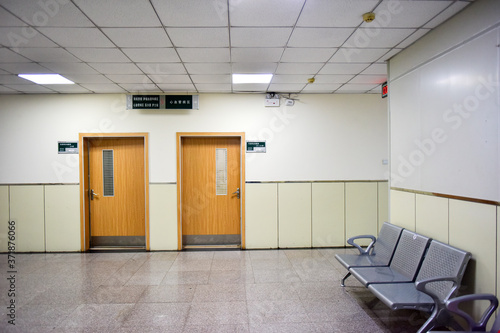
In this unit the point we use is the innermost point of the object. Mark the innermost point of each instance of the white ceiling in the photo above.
(193, 46)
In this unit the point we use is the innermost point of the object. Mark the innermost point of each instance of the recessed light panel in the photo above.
(252, 78)
(46, 78)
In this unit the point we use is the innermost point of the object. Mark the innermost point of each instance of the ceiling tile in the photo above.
(377, 38)
(250, 87)
(87, 78)
(290, 78)
(307, 54)
(77, 37)
(199, 37)
(446, 14)
(6, 90)
(138, 87)
(256, 54)
(24, 68)
(107, 88)
(48, 13)
(13, 79)
(204, 54)
(162, 68)
(47, 54)
(298, 68)
(98, 54)
(334, 78)
(413, 38)
(116, 68)
(9, 20)
(177, 87)
(213, 87)
(260, 37)
(126, 13)
(377, 69)
(254, 67)
(208, 68)
(128, 78)
(390, 54)
(319, 37)
(159, 79)
(138, 37)
(17, 37)
(406, 14)
(218, 79)
(30, 88)
(69, 68)
(369, 79)
(286, 87)
(338, 13)
(358, 55)
(270, 13)
(9, 56)
(152, 54)
(192, 13)
(68, 88)
(326, 88)
(355, 87)
(338, 68)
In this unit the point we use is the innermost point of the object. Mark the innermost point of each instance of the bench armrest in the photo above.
(369, 248)
(422, 286)
(453, 304)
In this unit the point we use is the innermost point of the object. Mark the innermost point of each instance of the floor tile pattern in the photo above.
(290, 290)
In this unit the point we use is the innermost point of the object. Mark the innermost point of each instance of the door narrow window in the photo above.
(108, 174)
(221, 171)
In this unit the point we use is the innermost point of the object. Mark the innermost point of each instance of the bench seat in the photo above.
(378, 253)
(404, 264)
(402, 296)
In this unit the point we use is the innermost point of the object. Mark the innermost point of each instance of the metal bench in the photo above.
(404, 265)
(378, 253)
(438, 279)
(475, 326)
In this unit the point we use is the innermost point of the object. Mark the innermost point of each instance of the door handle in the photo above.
(92, 194)
(237, 192)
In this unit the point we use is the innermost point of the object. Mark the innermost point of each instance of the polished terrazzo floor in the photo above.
(294, 290)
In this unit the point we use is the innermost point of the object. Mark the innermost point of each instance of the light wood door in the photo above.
(210, 176)
(117, 191)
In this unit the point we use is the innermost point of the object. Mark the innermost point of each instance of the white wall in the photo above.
(445, 103)
(337, 139)
(322, 137)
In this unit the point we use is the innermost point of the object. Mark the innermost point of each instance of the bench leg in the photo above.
(440, 317)
(342, 282)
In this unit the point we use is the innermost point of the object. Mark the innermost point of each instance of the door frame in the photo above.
(84, 186)
(181, 135)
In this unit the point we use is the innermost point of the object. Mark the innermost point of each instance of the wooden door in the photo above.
(210, 182)
(117, 192)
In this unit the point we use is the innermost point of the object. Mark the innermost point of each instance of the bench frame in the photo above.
(438, 281)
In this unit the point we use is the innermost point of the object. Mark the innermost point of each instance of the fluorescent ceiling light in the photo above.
(46, 78)
(252, 78)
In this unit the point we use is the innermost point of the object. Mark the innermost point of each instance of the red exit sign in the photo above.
(385, 90)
